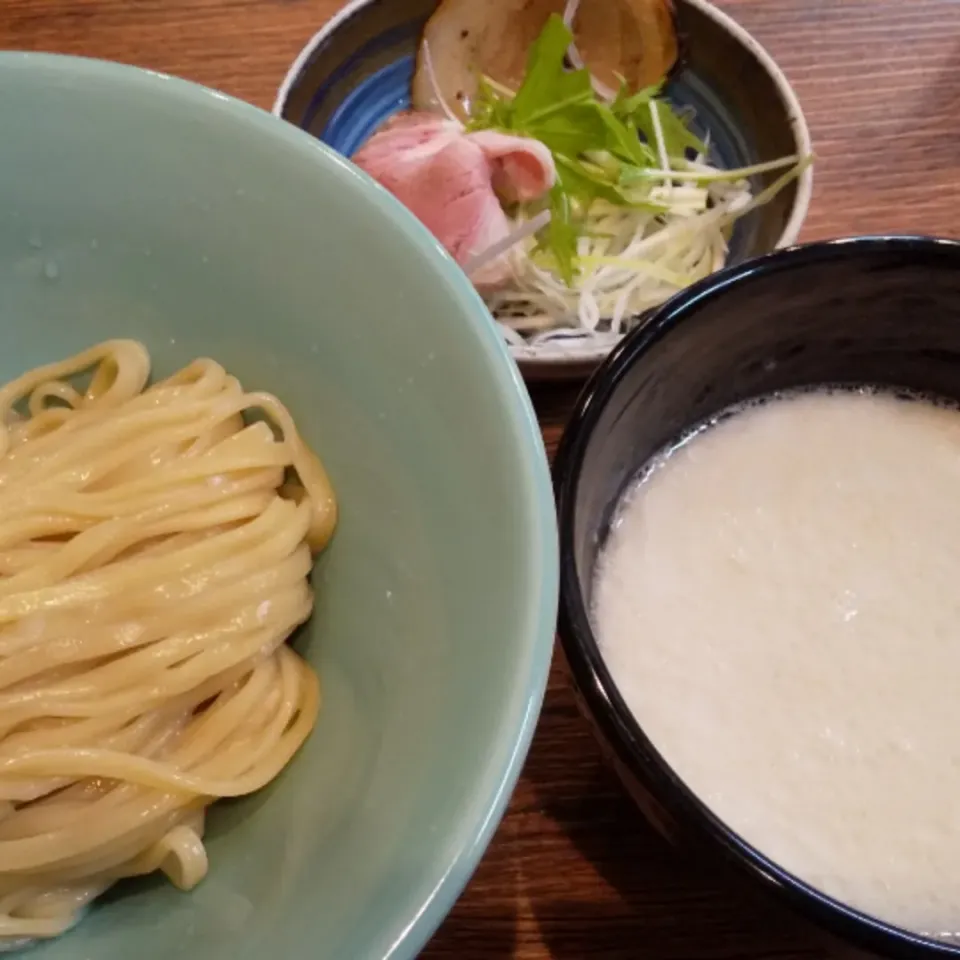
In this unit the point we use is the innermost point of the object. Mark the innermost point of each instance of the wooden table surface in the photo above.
(573, 873)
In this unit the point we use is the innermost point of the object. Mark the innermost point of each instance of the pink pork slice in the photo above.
(450, 180)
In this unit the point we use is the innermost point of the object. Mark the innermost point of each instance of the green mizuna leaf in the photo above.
(548, 87)
(677, 138)
(622, 141)
(600, 150)
(559, 237)
(627, 103)
(574, 130)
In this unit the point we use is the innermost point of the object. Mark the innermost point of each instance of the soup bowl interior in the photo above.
(134, 205)
(877, 311)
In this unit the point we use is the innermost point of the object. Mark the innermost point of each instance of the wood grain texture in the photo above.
(573, 874)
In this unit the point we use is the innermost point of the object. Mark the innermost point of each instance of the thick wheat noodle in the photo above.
(154, 555)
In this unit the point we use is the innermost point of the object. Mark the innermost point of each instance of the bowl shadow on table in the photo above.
(629, 894)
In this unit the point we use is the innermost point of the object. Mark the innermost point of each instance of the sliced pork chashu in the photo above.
(466, 39)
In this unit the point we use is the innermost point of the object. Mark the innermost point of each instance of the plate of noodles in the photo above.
(581, 161)
(255, 697)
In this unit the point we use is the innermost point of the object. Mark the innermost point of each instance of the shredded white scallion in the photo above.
(629, 260)
(434, 84)
(519, 233)
(661, 144)
(576, 61)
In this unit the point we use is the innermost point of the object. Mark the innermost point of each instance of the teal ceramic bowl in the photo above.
(136, 205)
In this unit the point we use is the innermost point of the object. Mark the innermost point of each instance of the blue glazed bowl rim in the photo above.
(537, 627)
(593, 680)
(576, 361)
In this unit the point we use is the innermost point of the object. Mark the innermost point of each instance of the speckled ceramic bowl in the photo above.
(356, 72)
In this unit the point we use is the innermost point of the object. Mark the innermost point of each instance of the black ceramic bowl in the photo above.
(871, 310)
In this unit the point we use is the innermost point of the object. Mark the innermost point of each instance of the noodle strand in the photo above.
(155, 545)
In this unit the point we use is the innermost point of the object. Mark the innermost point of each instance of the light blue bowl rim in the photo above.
(497, 784)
